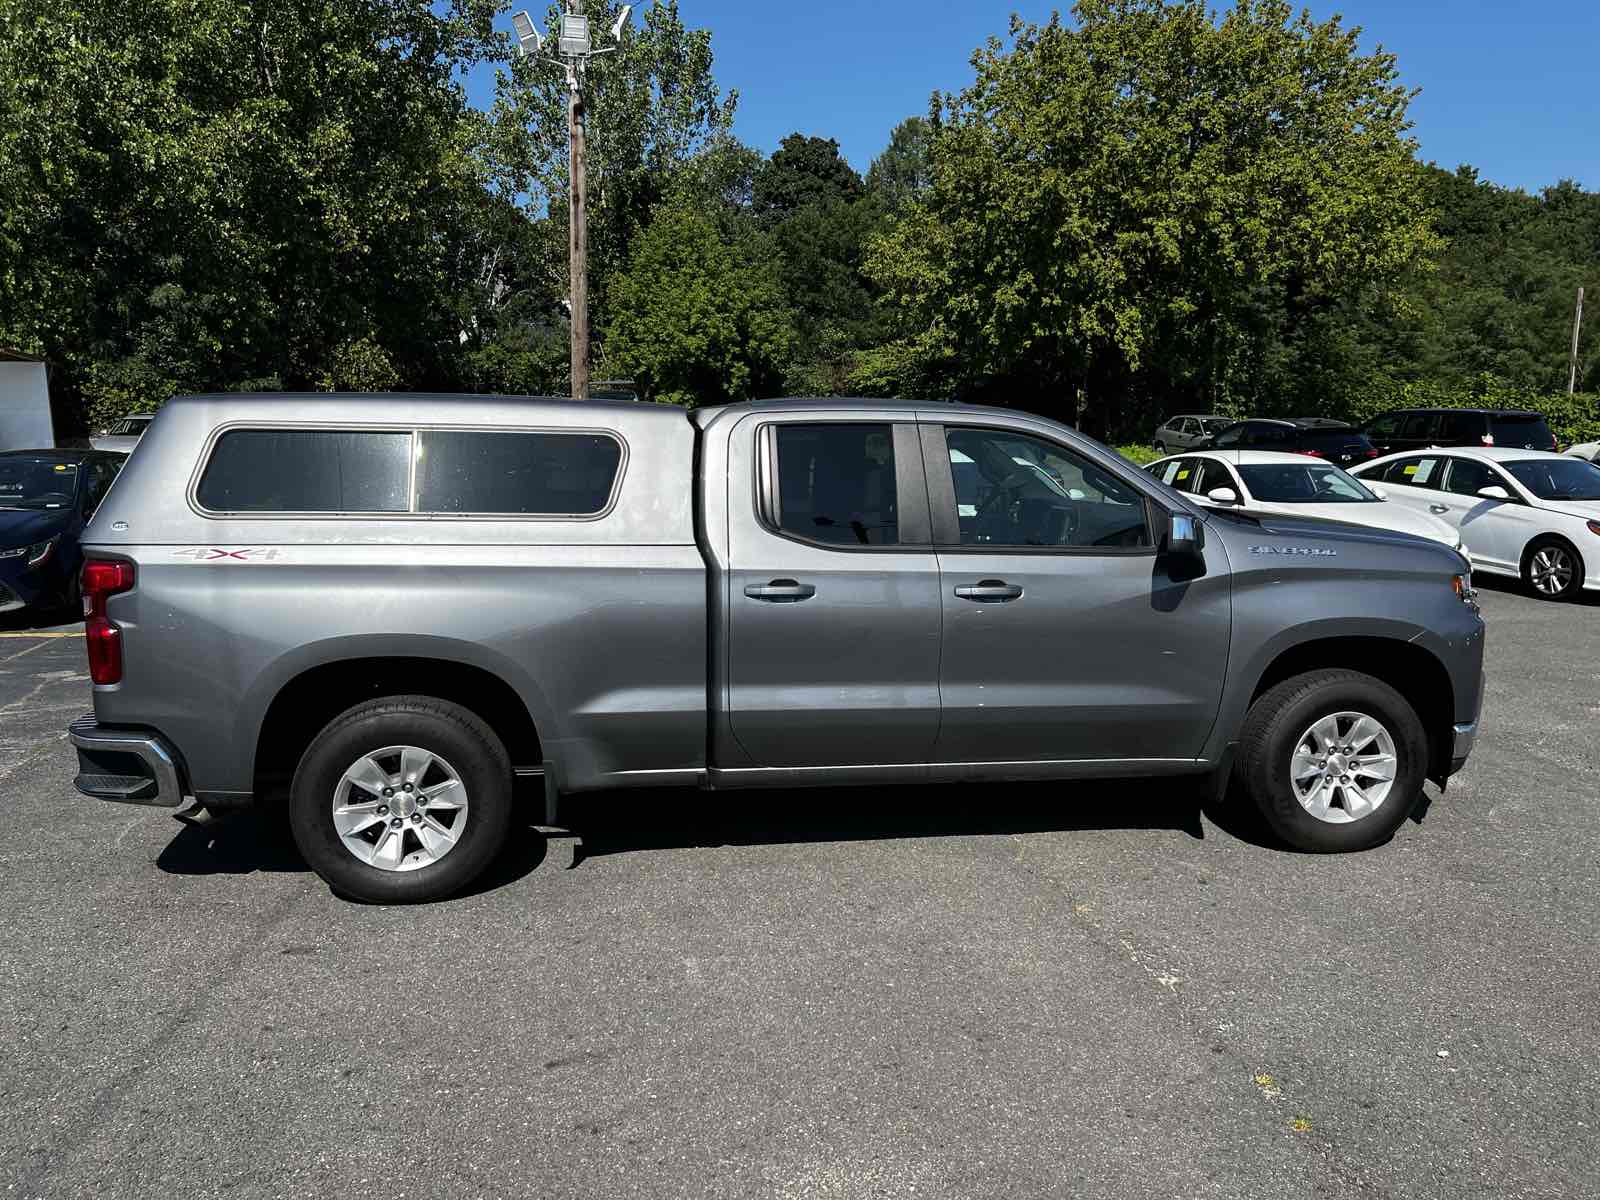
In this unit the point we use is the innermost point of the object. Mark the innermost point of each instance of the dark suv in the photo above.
(1338, 442)
(1424, 428)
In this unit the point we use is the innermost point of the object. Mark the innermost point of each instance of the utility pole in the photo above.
(1572, 368)
(578, 237)
(574, 50)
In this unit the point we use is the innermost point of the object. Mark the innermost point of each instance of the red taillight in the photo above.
(1370, 453)
(102, 579)
(1315, 453)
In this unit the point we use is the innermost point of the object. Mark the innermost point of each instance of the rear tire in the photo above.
(1160, 448)
(1329, 802)
(1552, 569)
(401, 800)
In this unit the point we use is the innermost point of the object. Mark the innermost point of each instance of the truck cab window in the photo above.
(836, 483)
(1016, 490)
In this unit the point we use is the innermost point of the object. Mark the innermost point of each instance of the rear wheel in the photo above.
(401, 799)
(1160, 448)
(1334, 759)
(1552, 569)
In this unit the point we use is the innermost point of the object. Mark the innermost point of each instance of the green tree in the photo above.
(211, 194)
(900, 174)
(1126, 205)
(803, 172)
(700, 317)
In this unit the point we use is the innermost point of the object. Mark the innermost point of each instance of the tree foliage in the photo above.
(700, 316)
(1131, 202)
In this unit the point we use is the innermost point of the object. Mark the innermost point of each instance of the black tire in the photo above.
(438, 726)
(1559, 545)
(1272, 730)
(1160, 448)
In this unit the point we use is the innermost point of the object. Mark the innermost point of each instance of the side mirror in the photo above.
(1494, 492)
(1377, 491)
(1223, 495)
(1186, 543)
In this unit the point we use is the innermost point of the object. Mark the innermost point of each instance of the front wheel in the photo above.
(402, 799)
(1552, 569)
(1334, 759)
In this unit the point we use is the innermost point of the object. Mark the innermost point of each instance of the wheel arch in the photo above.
(1410, 669)
(302, 696)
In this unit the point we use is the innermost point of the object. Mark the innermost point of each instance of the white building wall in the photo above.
(25, 407)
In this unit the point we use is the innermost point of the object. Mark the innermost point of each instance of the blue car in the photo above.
(46, 498)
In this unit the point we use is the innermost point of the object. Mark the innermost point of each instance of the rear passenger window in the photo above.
(836, 483)
(308, 471)
(528, 474)
(1415, 472)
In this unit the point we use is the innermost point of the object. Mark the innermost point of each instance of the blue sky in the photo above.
(1513, 90)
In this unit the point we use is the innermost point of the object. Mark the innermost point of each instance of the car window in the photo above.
(1182, 474)
(1231, 436)
(514, 473)
(308, 470)
(1213, 475)
(1467, 475)
(37, 482)
(1421, 471)
(1021, 491)
(1459, 427)
(1529, 431)
(1384, 426)
(1417, 425)
(101, 473)
(1556, 478)
(1187, 426)
(836, 483)
(1302, 483)
(1268, 437)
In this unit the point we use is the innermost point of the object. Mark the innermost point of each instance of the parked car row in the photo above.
(1347, 445)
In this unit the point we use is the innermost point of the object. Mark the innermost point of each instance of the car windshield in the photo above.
(28, 482)
(1557, 478)
(130, 426)
(1312, 483)
(1214, 424)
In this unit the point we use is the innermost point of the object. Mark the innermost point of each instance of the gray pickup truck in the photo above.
(400, 604)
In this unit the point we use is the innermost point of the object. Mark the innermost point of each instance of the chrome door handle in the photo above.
(989, 591)
(1438, 508)
(781, 591)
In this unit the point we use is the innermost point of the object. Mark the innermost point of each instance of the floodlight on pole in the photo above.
(572, 51)
(529, 42)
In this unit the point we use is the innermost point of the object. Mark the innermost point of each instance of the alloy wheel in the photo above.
(1343, 767)
(400, 808)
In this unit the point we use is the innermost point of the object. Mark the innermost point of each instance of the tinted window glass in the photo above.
(836, 483)
(1231, 436)
(1384, 426)
(1183, 474)
(1296, 483)
(1558, 478)
(1214, 475)
(41, 482)
(1460, 427)
(540, 474)
(1467, 476)
(1415, 472)
(1320, 438)
(307, 470)
(1418, 425)
(1016, 490)
(1528, 432)
(1267, 436)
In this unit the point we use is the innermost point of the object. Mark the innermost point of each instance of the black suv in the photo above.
(1337, 441)
(1424, 428)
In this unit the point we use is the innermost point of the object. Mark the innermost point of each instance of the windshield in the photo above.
(129, 426)
(1214, 424)
(1314, 483)
(1557, 478)
(27, 482)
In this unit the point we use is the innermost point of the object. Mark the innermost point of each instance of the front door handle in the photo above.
(781, 591)
(1438, 508)
(989, 591)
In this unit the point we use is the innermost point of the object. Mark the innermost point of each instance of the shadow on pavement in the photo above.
(27, 619)
(1506, 586)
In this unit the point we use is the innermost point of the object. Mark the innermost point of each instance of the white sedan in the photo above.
(1529, 514)
(1588, 451)
(1295, 485)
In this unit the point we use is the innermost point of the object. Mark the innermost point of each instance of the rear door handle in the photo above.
(1438, 508)
(989, 591)
(781, 591)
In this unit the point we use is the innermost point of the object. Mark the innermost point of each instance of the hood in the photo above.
(1589, 510)
(1382, 515)
(24, 527)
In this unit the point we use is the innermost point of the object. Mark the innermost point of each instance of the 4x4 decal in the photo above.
(216, 553)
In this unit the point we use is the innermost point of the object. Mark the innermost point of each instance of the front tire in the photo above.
(1334, 759)
(1552, 569)
(402, 799)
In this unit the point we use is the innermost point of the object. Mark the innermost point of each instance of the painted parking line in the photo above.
(71, 633)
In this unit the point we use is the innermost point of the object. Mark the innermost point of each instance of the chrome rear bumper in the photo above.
(131, 766)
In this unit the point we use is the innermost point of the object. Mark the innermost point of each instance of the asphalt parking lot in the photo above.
(962, 992)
